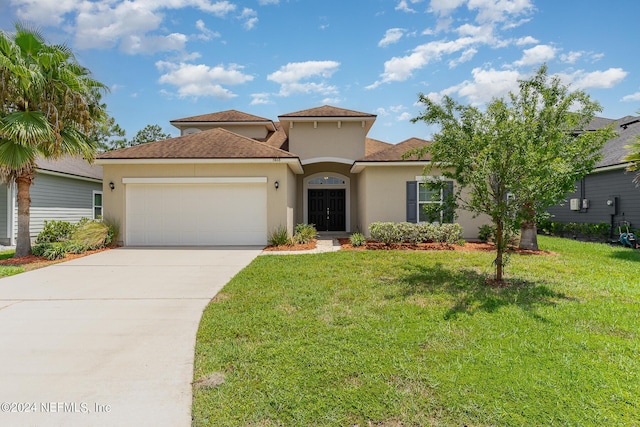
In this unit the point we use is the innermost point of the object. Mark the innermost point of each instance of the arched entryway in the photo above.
(327, 201)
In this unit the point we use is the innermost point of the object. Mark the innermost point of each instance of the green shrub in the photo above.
(92, 235)
(486, 233)
(357, 239)
(390, 232)
(55, 231)
(39, 248)
(304, 233)
(74, 247)
(279, 237)
(385, 232)
(56, 250)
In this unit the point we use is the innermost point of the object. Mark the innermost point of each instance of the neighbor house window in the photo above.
(97, 204)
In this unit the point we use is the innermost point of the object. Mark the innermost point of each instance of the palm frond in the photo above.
(16, 159)
(26, 128)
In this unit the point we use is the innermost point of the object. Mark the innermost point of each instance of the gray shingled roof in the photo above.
(215, 143)
(76, 166)
(613, 151)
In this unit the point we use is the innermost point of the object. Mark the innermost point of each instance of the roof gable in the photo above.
(395, 152)
(222, 116)
(215, 143)
(614, 150)
(328, 111)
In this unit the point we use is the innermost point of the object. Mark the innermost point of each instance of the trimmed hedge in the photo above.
(399, 232)
(583, 231)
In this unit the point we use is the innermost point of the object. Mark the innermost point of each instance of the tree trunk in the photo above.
(23, 244)
(500, 246)
(529, 235)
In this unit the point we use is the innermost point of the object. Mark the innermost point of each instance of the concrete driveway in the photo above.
(108, 339)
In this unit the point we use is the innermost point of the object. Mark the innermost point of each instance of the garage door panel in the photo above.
(196, 214)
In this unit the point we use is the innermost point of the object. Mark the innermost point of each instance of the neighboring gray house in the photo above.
(609, 193)
(64, 189)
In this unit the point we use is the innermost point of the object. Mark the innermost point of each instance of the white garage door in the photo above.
(196, 214)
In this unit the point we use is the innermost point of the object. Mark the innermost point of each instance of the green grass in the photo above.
(9, 270)
(399, 338)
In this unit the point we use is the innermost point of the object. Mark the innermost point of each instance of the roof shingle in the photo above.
(328, 111)
(395, 152)
(222, 116)
(215, 143)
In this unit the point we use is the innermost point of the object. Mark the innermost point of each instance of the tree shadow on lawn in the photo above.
(473, 294)
(626, 254)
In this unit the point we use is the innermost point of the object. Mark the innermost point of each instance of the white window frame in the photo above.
(424, 179)
(94, 206)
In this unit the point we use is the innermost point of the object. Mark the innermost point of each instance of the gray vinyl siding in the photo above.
(59, 198)
(50, 191)
(597, 188)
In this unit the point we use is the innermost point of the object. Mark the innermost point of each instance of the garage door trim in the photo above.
(198, 180)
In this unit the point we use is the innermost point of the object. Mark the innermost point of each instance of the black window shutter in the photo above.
(446, 194)
(412, 201)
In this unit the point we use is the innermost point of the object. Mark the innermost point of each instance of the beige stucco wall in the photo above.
(383, 197)
(327, 168)
(327, 140)
(280, 202)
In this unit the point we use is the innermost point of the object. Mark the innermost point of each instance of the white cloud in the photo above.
(445, 7)
(331, 101)
(526, 40)
(486, 84)
(595, 79)
(536, 55)
(49, 12)
(631, 97)
(382, 111)
(200, 80)
(403, 5)
(571, 57)
(392, 35)
(466, 56)
(290, 77)
(492, 11)
(401, 68)
(250, 18)
(260, 99)
(266, 2)
(205, 33)
(111, 23)
(403, 117)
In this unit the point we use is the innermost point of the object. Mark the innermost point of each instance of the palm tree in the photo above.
(49, 105)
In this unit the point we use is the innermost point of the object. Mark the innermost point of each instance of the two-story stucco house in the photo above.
(231, 178)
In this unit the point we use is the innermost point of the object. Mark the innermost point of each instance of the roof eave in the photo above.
(360, 165)
(293, 162)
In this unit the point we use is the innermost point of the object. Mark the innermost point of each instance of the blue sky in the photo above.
(168, 59)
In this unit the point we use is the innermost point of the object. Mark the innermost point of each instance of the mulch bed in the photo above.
(345, 244)
(43, 262)
(297, 247)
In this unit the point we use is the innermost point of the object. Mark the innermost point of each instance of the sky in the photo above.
(169, 59)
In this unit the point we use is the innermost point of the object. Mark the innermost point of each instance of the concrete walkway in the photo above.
(325, 242)
(108, 339)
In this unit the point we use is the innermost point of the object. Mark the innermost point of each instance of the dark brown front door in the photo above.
(327, 209)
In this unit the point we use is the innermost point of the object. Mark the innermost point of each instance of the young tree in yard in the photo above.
(109, 135)
(516, 158)
(633, 157)
(49, 105)
(149, 133)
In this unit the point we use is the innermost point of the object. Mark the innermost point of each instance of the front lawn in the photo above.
(401, 338)
(9, 270)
